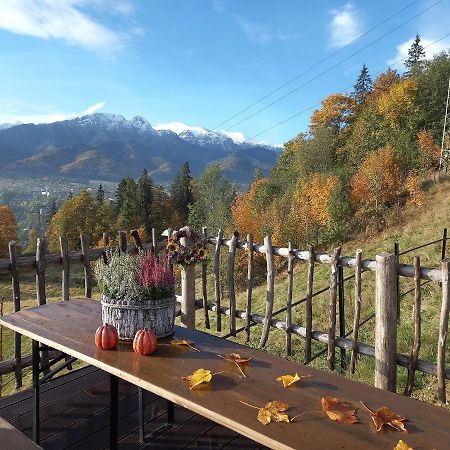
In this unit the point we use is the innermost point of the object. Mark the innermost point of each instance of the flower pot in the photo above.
(129, 316)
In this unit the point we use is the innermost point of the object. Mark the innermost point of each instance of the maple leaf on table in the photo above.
(198, 377)
(401, 445)
(384, 416)
(339, 410)
(185, 343)
(236, 359)
(289, 380)
(273, 411)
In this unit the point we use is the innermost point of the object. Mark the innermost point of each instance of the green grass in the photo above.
(419, 225)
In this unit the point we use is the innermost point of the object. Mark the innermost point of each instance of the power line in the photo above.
(342, 91)
(332, 67)
(315, 65)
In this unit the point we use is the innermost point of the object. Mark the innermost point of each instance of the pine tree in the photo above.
(127, 204)
(181, 193)
(145, 198)
(100, 196)
(416, 53)
(363, 86)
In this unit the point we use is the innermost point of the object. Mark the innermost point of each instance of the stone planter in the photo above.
(129, 316)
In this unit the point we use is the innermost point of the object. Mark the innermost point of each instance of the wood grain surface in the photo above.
(70, 326)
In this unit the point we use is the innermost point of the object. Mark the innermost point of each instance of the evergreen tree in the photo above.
(145, 198)
(181, 193)
(416, 53)
(52, 210)
(127, 205)
(100, 196)
(363, 86)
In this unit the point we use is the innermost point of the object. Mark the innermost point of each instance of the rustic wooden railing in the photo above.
(386, 299)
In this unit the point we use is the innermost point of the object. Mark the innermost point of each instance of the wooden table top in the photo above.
(70, 326)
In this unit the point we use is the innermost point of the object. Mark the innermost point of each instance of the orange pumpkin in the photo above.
(144, 342)
(106, 337)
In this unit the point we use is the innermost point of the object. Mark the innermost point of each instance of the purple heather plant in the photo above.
(156, 278)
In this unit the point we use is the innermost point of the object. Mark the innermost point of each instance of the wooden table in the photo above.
(70, 326)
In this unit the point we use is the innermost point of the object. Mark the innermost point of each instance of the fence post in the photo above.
(341, 299)
(397, 254)
(386, 300)
(65, 266)
(443, 328)
(187, 288)
(16, 296)
(444, 244)
(123, 244)
(87, 266)
(270, 260)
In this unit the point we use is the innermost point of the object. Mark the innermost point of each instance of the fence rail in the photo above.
(387, 271)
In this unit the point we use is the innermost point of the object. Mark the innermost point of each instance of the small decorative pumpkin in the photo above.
(106, 337)
(144, 342)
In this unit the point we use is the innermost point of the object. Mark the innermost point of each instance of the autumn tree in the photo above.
(78, 215)
(430, 152)
(8, 229)
(399, 103)
(378, 181)
(363, 86)
(383, 83)
(336, 113)
(31, 242)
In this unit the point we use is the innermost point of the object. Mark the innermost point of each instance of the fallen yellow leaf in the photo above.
(272, 411)
(289, 380)
(401, 445)
(198, 377)
(264, 416)
(185, 343)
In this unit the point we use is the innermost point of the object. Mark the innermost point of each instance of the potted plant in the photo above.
(137, 293)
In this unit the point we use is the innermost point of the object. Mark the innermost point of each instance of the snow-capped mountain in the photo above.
(108, 146)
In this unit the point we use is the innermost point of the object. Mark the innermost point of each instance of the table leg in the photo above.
(143, 438)
(35, 369)
(113, 411)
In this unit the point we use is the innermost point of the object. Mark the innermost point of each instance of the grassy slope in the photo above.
(419, 225)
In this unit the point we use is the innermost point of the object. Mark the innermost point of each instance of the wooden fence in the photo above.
(386, 268)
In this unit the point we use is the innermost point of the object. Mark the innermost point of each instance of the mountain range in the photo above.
(108, 147)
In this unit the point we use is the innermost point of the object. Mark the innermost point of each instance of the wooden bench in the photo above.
(11, 439)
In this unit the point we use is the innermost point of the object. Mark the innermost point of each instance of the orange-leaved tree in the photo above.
(430, 153)
(378, 180)
(336, 113)
(78, 215)
(8, 228)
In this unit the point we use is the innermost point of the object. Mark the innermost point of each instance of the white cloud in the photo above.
(237, 136)
(179, 127)
(345, 26)
(62, 19)
(48, 118)
(429, 48)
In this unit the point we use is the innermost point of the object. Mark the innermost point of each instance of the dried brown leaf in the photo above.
(384, 416)
(236, 358)
(339, 410)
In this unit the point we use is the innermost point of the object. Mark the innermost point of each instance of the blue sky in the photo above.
(198, 62)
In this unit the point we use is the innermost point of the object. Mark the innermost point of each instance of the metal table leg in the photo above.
(113, 411)
(143, 438)
(35, 368)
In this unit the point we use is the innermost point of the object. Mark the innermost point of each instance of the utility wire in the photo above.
(370, 44)
(315, 65)
(342, 91)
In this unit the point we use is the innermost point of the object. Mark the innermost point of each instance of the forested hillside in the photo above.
(365, 156)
